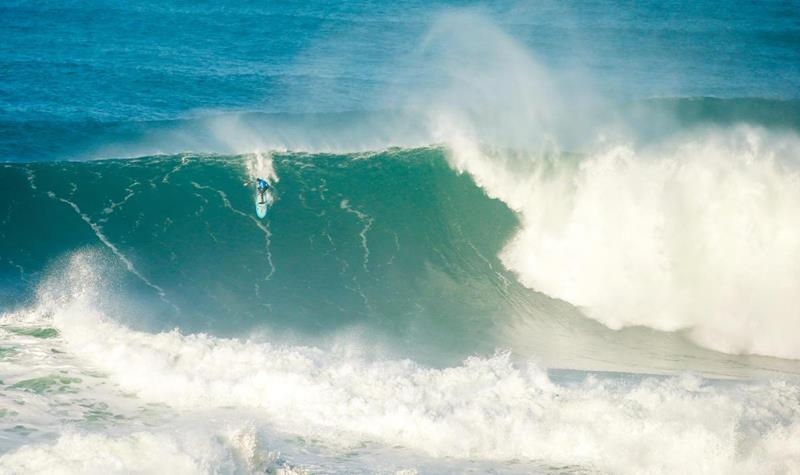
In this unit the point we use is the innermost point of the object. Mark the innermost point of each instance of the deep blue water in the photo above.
(109, 61)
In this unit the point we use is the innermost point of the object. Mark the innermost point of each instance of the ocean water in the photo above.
(509, 237)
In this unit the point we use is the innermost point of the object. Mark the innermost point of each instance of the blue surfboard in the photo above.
(263, 202)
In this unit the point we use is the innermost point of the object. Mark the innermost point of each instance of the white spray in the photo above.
(698, 233)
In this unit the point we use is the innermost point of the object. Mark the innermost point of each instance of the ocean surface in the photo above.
(507, 237)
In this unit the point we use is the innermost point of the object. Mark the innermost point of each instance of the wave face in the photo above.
(665, 238)
(394, 238)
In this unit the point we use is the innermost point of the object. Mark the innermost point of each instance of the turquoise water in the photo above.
(333, 253)
(511, 238)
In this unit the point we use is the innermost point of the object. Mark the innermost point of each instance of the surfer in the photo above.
(261, 186)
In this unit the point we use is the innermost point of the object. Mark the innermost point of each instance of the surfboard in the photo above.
(263, 205)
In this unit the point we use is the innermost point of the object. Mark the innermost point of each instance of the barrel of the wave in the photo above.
(263, 197)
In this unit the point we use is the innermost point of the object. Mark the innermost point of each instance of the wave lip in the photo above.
(702, 235)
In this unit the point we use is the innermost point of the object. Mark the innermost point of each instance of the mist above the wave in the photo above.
(462, 72)
(238, 133)
(491, 88)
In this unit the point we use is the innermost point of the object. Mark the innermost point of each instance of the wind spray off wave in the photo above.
(703, 235)
(697, 230)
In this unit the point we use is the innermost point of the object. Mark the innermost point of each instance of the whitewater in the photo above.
(480, 257)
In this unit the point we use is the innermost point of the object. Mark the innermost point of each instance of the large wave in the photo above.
(699, 236)
(393, 239)
(702, 235)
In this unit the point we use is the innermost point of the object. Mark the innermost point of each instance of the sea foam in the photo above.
(702, 235)
(486, 408)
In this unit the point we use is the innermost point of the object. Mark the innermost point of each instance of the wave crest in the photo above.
(702, 235)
